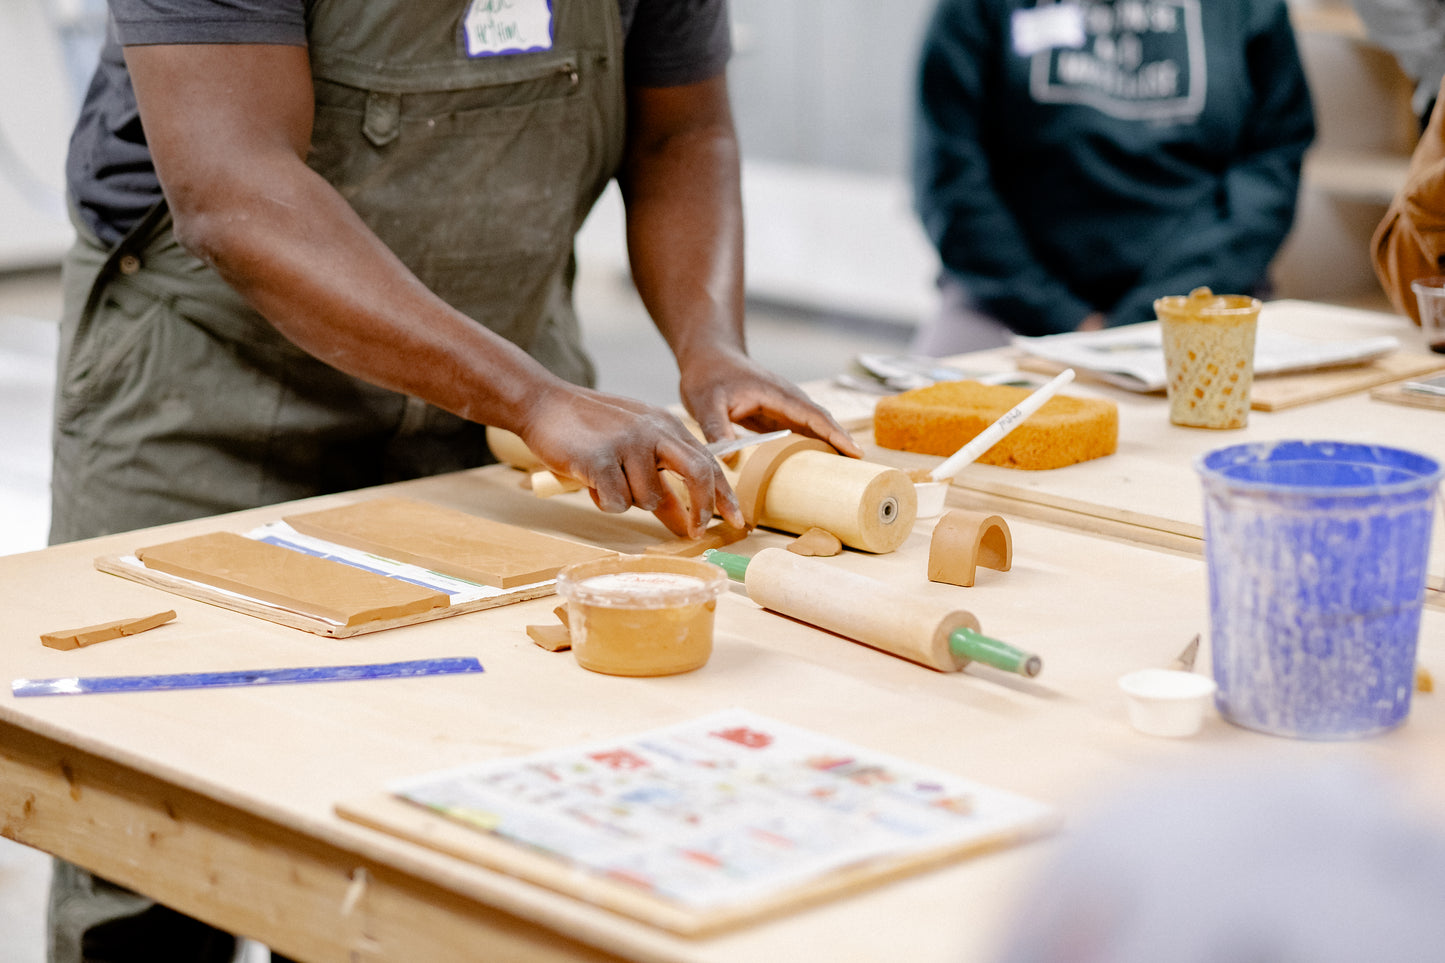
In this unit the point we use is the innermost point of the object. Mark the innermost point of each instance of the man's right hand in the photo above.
(619, 448)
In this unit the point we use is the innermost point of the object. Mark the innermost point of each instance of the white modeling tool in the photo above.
(1006, 423)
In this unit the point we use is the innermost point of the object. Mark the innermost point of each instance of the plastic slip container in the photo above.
(1316, 554)
(641, 615)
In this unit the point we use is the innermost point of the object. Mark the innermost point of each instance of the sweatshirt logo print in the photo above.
(1140, 60)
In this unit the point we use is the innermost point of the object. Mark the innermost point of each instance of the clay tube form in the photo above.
(929, 632)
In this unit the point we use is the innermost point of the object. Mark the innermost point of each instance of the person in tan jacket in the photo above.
(1410, 241)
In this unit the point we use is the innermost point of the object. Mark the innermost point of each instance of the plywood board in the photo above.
(129, 568)
(447, 541)
(1276, 392)
(1397, 395)
(312, 586)
(416, 824)
(1286, 391)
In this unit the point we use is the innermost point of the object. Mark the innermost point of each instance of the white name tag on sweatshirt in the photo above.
(1047, 27)
(493, 27)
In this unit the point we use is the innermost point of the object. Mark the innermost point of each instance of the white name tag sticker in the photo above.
(1047, 27)
(493, 27)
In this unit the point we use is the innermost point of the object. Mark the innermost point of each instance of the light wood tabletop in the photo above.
(222, 802)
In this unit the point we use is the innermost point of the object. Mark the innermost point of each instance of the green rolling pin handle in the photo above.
(735, 565)
(968, 644)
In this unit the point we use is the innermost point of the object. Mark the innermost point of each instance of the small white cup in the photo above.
(1166, 702)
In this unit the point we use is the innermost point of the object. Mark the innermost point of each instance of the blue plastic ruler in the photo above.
(211, 680)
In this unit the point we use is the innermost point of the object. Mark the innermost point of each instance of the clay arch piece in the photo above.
(964, 540)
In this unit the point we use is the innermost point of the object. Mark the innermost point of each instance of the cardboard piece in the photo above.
(104, 632)
(317, 587)
(447, 541)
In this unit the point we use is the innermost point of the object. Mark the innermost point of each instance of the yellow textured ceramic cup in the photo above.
(1208, 357)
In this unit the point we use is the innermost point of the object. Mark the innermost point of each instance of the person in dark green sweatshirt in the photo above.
(1073, 161)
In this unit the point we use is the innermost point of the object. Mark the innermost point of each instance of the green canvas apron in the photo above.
(175, 399)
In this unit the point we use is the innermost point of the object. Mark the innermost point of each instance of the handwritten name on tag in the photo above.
(1047, 27)
(493, 27)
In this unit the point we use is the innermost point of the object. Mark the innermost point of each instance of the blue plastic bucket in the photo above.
(1316, 554)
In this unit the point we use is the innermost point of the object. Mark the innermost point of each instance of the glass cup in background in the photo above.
(1430, 298)
(1208, 357)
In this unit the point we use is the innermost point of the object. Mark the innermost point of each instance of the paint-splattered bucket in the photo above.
(1316, 555)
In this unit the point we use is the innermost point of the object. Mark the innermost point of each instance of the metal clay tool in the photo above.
(211, 680)
(929, 632)
(1184, 661)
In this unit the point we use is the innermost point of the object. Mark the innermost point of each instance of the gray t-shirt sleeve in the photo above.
(669, 42)
(676, 42)
(209, 21)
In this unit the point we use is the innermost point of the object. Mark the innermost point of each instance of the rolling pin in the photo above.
(929, 632)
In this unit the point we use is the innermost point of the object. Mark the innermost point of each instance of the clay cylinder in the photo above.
(858, 607)
(868, 506)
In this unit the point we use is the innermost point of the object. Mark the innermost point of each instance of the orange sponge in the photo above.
(943, 417)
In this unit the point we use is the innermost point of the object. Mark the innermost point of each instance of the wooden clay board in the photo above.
(418, 825)
(1396, 394)
(1274, 392)
(176, 585)
(447, 541)
(317, 587)
(1287, 390)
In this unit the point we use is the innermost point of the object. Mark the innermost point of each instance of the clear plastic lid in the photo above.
(641, 582)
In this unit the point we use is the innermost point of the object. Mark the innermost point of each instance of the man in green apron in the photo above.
(322, 243)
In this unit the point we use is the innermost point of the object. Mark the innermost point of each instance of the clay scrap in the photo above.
(816, 542)
(553, 637)
(104, 632)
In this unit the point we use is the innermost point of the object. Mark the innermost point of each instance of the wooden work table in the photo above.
(221, 802)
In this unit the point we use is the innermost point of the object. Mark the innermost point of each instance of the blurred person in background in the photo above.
(1414, 32)
(1248, 864)
(1074, 161)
